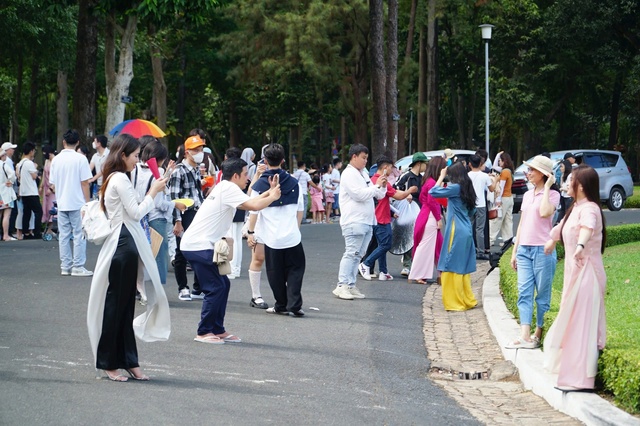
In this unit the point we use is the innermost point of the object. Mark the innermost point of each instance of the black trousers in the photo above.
(117, 346)
(180, 263)
(31, 203)
(285, 271)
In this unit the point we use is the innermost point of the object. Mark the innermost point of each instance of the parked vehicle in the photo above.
(616, 184)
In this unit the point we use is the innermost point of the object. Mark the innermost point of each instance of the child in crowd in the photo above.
(316, 201)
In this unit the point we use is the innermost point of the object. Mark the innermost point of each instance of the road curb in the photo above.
(588, 408)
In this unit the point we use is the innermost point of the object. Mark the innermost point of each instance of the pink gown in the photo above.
(427, 238)
(48, 197)
(579, 331)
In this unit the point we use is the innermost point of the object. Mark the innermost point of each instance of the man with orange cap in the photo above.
(185, 182)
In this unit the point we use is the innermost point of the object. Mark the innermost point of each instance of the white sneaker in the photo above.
(384, 277)
(364, 271)
(357, 294)
(405, 272)
(184, 294)
(65, 272)
(342, 292)
(81, 272)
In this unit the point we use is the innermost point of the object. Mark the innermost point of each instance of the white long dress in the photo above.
(122, 207)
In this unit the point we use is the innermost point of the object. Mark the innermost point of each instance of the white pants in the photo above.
(236, 233)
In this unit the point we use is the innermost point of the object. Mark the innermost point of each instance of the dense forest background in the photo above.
(319, 75)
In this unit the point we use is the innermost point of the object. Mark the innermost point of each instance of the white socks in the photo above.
(254, 280)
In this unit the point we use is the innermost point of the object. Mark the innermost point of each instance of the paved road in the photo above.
(351, 362)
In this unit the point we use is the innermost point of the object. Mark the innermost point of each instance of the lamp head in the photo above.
(486, 31)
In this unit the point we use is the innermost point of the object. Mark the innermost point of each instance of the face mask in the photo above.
(198, 157)
(94, 146)
(177, 154)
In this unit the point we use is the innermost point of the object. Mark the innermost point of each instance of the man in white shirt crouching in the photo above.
(210, 224)
(279, 229)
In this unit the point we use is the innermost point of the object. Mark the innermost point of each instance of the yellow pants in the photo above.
(456, 292)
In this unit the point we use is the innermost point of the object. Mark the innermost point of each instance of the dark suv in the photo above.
(616, 184)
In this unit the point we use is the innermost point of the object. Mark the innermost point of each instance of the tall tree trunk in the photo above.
(84, 87)
(422, 91)
(457, 103)
(118, 81)
(233, 124)
(378, 76)
(33, 100)
(62, 108)
(15, 128)
(432, 77)
(181, 92)
(159, 107)
(402, 98)
(343, 136)
(615, 110)
(392, 80)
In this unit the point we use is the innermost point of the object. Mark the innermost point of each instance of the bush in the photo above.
(633, 202)
(619, 364)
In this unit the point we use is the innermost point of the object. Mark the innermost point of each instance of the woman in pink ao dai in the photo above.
(573, 342)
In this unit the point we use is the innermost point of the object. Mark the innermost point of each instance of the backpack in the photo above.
(96, 226)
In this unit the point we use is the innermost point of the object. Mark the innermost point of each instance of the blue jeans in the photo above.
(215, 288)
(162, 259)
(336, 201)
(383, 236)
(356, 239)
(70, 222)
(535, 270)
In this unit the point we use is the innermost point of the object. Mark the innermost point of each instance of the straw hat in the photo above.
(542, 164)
(448, 153)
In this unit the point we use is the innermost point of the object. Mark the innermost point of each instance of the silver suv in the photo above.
(616, 184)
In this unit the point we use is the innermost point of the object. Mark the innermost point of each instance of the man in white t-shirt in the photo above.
(28, 173)
(279, 229)
(335, 179)
(482, 183)
(210, 224)
(304, 180)
(69, 179)
(98, 159)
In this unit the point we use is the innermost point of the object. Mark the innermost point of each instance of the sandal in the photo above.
(143, 378)
(418, 281)
(230, 338)
(214, 340)
(117, 378)
(520, 343)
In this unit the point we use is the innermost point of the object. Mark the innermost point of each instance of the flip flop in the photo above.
(230, 338)
(213, 340)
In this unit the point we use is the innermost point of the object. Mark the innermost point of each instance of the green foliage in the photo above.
(633, 202)
(619, 365)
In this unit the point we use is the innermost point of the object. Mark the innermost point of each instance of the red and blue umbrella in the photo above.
(137, 128)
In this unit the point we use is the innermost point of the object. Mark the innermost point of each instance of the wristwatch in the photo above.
(251, 232)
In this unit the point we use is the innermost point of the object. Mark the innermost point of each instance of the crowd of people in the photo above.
(194, 215)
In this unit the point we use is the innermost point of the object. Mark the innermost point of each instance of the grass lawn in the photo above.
(620, 362)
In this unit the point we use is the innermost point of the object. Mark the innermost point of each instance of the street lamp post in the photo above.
(486, 36)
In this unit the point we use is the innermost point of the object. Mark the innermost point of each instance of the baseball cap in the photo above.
(418, 157)
(193, 142)
(569, 155)
(8, 145)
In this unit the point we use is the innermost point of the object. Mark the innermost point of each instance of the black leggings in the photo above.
(117, 346)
